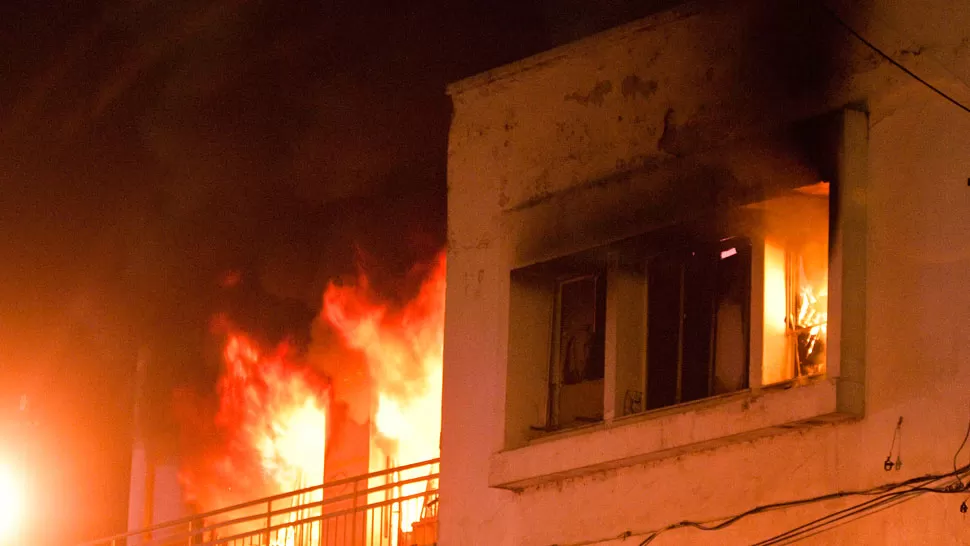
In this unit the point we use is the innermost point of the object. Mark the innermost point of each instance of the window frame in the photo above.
(694, 248)
(603, 263)
(557, 381)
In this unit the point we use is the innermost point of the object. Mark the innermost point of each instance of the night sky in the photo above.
(147, 148)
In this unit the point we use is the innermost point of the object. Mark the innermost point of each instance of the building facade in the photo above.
(705, 263)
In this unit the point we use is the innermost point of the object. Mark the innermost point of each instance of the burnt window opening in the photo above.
(730, 301)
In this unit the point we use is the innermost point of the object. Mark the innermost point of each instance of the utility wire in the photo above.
(959, 449)
(893, 61)
(887, 491)
(880, 503)
(840, 517)
(885, 496)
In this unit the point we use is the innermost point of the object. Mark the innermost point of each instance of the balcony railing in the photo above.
(394, 507)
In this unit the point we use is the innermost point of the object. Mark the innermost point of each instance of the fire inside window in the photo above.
(795, 279)
(684, 313)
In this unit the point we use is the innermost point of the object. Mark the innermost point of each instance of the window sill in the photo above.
(671, 431)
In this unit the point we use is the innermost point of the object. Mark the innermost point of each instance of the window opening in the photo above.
(576, 389)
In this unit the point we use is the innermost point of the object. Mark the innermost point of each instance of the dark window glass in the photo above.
(697, 322)
(663, 330)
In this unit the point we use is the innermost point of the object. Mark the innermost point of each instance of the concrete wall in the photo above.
(569, 149)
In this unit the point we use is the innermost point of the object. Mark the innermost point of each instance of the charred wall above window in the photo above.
(666, 192)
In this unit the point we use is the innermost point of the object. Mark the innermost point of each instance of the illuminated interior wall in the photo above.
(795, 235)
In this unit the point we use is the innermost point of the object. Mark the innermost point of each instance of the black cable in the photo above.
(886, 500)
(959, 449)
(897, 432)
(917, 484)
(829, 519)
(822, 524)
(893, 61)
(882, 502)
(825, 523)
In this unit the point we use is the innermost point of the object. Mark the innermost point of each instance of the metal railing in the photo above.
(393, 507)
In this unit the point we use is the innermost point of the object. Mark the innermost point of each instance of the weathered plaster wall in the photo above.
(562, 132)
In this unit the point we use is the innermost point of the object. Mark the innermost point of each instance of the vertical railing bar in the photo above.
(386, 520)
(348, 528)
(356, 494)
(269, 521)
(298, 527)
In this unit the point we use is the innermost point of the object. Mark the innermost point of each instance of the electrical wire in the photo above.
(894, 62)
(959, 449)
(897, 433)
(840, 517)
(883, 492)
(873, 505)
(816, 525)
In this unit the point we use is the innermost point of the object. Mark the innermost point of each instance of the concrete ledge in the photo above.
(666, 433)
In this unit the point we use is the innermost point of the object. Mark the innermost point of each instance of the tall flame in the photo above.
(403, 349)
(272, 420)
(273, 409)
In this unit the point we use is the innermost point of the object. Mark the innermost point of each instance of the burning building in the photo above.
(336, 441)
(707, 265)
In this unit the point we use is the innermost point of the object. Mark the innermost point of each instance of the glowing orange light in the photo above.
(272, 419)
(777, 366)
(403, 349)
(12, 500)
(272, 413)
(795, 317)
(809, 322)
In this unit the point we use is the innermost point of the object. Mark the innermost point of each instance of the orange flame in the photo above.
(810, 323)
(273, 410)
(272, 419)
(795, 317)
(403, 349)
